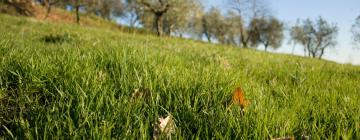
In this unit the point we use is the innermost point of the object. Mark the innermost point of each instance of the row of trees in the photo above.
(103, 8)
(248, 23)
(244, 25)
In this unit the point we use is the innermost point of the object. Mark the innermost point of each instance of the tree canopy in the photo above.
(315, 36)
(267, 31)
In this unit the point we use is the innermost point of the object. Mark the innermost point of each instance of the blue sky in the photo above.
(340, 12)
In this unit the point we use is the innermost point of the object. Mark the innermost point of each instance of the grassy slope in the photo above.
(67, 81)
(59, 15)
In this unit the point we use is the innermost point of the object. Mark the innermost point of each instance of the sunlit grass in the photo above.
(81, 84)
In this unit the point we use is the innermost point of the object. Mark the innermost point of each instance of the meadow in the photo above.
(65, 81)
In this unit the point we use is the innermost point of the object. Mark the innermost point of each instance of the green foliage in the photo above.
(213, 25)
(267, 31)
(314, 36)
(83, 88)
(175, 16)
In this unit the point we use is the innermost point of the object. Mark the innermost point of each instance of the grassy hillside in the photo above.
(60, 81)
(59, 15)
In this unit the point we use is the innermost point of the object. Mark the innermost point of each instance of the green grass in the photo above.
(72, 82)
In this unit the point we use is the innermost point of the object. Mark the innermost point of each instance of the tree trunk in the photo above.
(309, 51)
(242, 37)
(266, 46)
(77, 8)
(205, 30)
(158, 24)
(313, 54)
(48, 6)
(158, 12)
(208, 37)
(244, 43)
(321, 53)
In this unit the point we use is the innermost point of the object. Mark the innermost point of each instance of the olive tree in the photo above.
(247, 10)
(179, 17)
(267, 31)
(233, 23)
(315, 36)
(76, 4)
(169, 16)
(158, 8)
(103, 8)
(48, 4)
(212, 23)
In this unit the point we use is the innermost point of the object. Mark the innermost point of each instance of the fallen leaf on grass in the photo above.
(164, 127)
(239, 98)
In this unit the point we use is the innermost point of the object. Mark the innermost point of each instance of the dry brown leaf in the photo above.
(239, 98)
(164, 127)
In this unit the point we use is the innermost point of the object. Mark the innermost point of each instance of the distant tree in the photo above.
(179, 16)
(267, 31)
(247, 10)
(315, 37)
(175, 19)
(77, 5)
(355, 29)
(48, 4)
(233, 23)
(194, 27)
(212, 22)
(158, 9)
